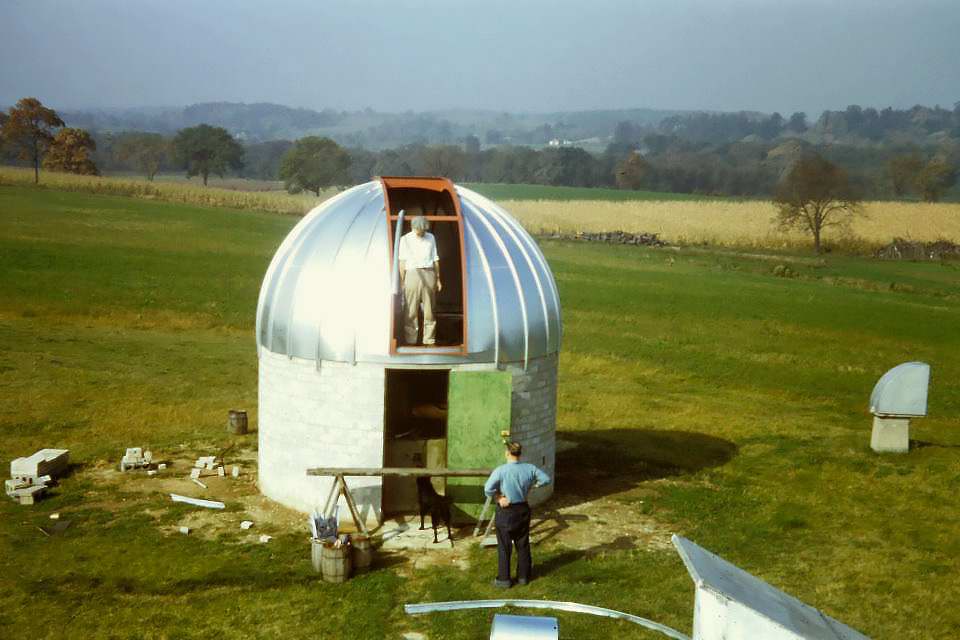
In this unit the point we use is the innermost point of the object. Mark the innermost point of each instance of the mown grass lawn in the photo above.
(708, 397)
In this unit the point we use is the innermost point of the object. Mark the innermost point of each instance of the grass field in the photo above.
(706, 397)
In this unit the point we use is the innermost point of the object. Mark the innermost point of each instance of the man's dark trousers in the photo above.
(513, 528)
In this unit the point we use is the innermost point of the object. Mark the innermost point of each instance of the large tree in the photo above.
(144, 152)
(816, 194)
(633, 172)
(313, 164)
(935, 179)
(70, 152)
(444, 160)
(902, 172)
(204, 150)
(30, 128)
(797, 122)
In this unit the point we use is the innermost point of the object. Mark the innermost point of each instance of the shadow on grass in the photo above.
(923, 444)
(595, 463)
(557, 561)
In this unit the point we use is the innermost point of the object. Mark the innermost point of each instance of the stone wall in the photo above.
(311, 418)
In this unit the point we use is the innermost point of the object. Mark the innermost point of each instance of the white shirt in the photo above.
(417, 252)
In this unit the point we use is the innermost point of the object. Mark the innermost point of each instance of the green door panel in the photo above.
(478, 411)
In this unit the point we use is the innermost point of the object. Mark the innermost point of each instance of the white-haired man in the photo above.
(420, 278)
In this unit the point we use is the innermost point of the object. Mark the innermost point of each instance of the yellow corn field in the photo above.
(709, 222)
(734, 223)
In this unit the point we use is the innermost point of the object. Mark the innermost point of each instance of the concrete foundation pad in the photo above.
(404, 533)
(890, 435)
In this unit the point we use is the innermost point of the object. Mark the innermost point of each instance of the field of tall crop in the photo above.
(677, 218)
(735, 223)
(179, 191)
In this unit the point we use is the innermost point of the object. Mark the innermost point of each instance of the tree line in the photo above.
(735, 154)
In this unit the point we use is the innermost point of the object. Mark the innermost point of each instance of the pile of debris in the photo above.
(901, 249)
(136, 458)
(213, 464)
(30, 477)
(613, 237)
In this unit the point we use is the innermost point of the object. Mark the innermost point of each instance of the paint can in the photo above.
(237, 422)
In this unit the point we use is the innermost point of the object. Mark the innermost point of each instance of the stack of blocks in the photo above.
(31, 476)
(136, 458)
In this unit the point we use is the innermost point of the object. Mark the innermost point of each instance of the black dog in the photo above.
(436, 505)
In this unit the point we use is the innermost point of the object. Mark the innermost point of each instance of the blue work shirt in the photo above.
(514, 480)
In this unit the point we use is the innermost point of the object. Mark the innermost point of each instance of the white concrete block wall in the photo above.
(309, 418)
(335, 417)
(534, 417)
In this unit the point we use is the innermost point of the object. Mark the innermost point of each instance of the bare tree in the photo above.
(814, 195)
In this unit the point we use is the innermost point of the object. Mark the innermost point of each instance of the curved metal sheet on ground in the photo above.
(327, 292)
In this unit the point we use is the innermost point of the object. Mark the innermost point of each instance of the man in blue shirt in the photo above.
(509, 484)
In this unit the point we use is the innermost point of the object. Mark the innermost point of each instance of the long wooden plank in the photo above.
(398, 471)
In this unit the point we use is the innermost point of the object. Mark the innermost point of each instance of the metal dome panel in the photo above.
(327, 294)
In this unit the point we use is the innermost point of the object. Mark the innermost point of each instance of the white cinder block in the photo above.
(335, 417)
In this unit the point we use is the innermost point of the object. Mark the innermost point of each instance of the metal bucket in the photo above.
(237, 422)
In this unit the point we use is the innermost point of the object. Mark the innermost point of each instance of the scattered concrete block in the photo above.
(161, 466)
(246, 524)
(195, 473)
(29, 495)
(205, 462)
(135, 458)
(54, 516)
(185, 530)
(221, 472)
(26, 489)
(197, 502)
(198, 483)
(151, 472)
(265, 539)
(13, 484)
(45, 462)
(236, 471)
(890, 435)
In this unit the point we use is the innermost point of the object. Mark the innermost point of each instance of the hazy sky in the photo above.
(517, 55)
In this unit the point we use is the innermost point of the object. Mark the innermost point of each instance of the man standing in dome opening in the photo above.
(420, 279)
(509, 484)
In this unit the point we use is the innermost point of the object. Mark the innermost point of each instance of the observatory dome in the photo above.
(327, 294)
(344, 384)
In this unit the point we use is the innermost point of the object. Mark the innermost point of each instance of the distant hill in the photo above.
(258, 122)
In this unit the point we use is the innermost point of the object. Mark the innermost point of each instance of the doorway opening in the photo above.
(415, 432)
(437, 201)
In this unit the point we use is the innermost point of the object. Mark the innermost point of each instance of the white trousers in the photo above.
(419, 288)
